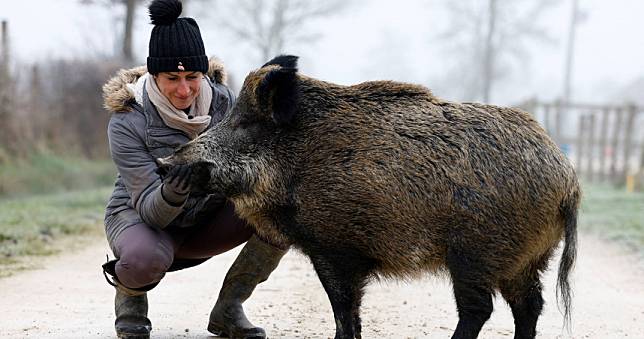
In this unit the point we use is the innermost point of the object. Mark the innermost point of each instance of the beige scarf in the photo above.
(177, 118)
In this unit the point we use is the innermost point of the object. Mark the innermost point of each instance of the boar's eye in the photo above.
(245, 122)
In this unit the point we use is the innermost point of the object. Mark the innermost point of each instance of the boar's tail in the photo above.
(569, 207)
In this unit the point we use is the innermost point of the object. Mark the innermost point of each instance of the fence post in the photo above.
(615, 144)
(546, 120)
(580, 145)
(590, 146)
(603, 137)
(628, 135)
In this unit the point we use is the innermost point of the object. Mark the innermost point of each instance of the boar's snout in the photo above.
(164, 165)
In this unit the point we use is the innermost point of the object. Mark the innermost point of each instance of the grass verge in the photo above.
(45, 173)
(614, 214)
(47, 224)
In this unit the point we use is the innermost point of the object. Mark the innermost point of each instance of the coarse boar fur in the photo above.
(384, 179)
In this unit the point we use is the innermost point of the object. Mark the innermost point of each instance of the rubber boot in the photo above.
(253, 265)
(131, 315)
(130, 306)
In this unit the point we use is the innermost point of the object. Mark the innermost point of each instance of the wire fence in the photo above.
(604, 142)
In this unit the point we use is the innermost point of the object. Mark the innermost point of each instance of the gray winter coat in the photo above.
(137, 136)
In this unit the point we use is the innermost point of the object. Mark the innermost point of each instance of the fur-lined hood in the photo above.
(116, 95)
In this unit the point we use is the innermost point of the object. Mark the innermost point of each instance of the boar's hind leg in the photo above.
(472, 292)
(526, 306)
(523, 294)
(344, 281)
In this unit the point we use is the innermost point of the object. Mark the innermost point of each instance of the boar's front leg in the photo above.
(344, 279)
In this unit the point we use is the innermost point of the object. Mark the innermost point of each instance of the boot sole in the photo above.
(132, 336)
(220, 330)
(217, 330)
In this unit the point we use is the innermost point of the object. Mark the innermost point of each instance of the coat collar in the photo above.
(117, 97)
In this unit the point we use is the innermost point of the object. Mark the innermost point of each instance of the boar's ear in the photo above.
(288, 61)
(278, 91)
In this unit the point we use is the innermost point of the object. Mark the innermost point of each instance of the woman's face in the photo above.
(181, 88)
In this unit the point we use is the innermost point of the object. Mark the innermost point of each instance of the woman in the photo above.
(158, 224)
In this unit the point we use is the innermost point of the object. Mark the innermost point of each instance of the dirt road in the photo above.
(70, 299)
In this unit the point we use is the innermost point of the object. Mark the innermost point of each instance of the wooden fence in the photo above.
(604, 142)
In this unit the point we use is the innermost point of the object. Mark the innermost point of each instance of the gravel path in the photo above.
(70, 299)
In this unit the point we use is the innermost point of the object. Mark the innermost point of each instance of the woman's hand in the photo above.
(176, 184)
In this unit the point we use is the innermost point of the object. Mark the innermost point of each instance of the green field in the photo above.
(46, 224)
(614, 214)
(49, 203)
(44, 173)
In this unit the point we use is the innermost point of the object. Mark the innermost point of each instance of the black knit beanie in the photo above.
(175, 43)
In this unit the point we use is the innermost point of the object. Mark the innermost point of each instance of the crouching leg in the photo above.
(253, 265)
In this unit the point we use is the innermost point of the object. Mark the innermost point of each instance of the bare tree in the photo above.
(269, 26)
(66, 103)
(5, 76)
(7, 86)
(488, 56)
(487, 37)
(130, 9)
(577, 16)
(570, 48)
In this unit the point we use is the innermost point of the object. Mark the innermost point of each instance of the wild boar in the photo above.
(384, 179)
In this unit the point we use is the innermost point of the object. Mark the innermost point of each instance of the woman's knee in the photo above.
(144, 253)
(142, 266)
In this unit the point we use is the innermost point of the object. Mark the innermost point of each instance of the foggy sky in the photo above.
(378, 39)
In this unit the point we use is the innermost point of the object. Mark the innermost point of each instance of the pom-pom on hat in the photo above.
(175, 43)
